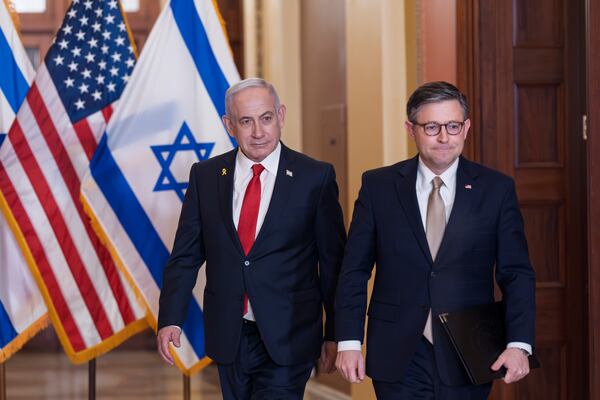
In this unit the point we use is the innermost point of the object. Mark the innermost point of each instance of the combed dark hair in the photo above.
(434, 92)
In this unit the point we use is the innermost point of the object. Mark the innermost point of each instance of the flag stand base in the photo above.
(187, 392)
(92, 379)
(2, 381)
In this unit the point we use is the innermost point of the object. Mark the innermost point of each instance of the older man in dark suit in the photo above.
(435, 226)
(268, 223)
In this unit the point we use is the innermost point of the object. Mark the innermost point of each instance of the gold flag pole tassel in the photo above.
(13, 15)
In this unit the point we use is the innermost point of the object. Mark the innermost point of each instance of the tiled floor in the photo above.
(130, 375)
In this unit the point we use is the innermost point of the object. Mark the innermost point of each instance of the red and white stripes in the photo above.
(42, 163)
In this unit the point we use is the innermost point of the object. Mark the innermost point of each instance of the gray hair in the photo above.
(435, 92)
(246, 84)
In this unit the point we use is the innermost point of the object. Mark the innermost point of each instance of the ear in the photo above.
(281, 115)
(410, 129)
(228, 124)
(467, 126)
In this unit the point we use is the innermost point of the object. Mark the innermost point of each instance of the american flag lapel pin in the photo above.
(224, 172)
(289, 173)
(468, 186)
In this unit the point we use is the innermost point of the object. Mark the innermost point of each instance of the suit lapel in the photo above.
(225, 187)
(466, 190)
(281, 191)
(407, 193)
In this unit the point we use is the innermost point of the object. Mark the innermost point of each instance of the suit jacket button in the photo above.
(246, 263)
(432, 274)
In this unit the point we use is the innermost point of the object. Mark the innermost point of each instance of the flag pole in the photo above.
(2, 381)
(187, 393)
(92, 379)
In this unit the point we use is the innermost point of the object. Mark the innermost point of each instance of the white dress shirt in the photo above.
(448, 194)
(241, 179)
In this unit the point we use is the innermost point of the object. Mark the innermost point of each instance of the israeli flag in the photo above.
(22, 309)
(168, 118)
(16, 72)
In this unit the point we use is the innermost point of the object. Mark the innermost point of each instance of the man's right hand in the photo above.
(165, 336)
(351, 365)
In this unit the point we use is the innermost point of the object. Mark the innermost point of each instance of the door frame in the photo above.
(593, 200)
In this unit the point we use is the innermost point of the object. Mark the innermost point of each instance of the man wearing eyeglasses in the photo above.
(435, 226)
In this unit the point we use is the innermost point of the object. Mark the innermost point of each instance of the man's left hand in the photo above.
(516, 363)
(328, 355)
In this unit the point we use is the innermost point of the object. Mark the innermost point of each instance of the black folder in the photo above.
(478, 336)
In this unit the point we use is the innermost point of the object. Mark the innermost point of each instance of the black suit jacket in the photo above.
(485, 229)
(290, 272)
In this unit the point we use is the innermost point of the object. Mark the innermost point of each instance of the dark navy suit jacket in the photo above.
(485, 228)
(289, 274)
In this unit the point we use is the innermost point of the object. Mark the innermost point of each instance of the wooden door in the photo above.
(522, 63)
(593, 195)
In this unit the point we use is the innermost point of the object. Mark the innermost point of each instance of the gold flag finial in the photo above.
(10, 6)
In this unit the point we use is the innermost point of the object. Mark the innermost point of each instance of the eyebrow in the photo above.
(260, 116)
(265, 113)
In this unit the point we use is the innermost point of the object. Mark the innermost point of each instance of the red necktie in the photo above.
(249, 214)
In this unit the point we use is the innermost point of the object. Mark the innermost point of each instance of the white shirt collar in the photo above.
(271, 162)
(425, 176)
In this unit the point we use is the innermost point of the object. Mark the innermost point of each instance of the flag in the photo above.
(22, 309)
(169, 118)
(42, 162)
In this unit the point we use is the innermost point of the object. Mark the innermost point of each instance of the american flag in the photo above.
(42, 161)
(92, 58)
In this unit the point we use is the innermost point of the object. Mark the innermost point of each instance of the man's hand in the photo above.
(328, 355)
(165, 336)
(351, 365)
(516, 363)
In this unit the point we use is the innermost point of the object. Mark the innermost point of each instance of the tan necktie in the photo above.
(436, 224)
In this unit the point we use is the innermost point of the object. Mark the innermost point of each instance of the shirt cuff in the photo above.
(520, 345)
(175, 326)
(346, 345)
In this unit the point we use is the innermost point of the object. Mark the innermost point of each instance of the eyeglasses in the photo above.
(434, 128)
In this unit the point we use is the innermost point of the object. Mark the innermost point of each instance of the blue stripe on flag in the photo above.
(140, 230)
(195, 37)
(12, 82)
(2, 137)
(128, 209)
(7, 331)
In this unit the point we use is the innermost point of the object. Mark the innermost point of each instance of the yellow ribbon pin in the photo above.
(224, 171)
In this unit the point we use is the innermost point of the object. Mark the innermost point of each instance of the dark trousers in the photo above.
(254, 375)
(421, 381)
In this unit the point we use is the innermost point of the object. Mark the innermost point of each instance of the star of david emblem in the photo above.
(165, 154)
